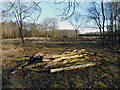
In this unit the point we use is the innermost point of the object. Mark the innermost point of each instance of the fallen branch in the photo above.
(72, 67)
(27, 63)
(36, 69)
(66, 61)
(79, 59)
(118, 51)
(37, 64)
(47, 57)
(62, 58)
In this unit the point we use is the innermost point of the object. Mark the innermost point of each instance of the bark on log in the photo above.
(47, 57)
(80, 59)
(38, 54)
(36, 69)
(16, 70)
(27, 63)
(72, 67)
(37, 64)
(118, 51)
(66, 57)
(67, 60)
(56, 56)
(60, 59)
(20, 67)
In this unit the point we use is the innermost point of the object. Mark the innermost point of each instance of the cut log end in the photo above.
(15, 71)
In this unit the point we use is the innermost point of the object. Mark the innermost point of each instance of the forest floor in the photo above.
(100, 76)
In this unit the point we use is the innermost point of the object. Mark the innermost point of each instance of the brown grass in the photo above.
(105, 75)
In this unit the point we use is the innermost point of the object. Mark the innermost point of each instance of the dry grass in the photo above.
(105, 75)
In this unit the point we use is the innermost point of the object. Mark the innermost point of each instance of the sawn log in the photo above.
(73, 67)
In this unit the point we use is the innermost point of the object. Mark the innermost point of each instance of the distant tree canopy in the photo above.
(106, 15)
(76, 21)
(9, 30)
(48, 28)
(19, 11)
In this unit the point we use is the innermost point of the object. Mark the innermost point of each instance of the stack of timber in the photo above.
(68, 60)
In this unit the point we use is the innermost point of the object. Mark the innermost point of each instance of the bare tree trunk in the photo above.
(76, 32)
(10, 33)
(16, 32)
(107, 20)
(21, 35)
(45, 31)
(116, 14)
(21, 25)
(118, 25)
(5, 33)
(98, 22)
(100, 32)
(119, 31)
(112, 35)
(53, 31)
(33, 33)
(103, 22)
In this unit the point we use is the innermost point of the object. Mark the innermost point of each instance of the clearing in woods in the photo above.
(101, 75)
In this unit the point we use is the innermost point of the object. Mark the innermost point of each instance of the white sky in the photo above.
(65, 25)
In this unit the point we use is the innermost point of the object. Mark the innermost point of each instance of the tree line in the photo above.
(48, 28)
(106, 16)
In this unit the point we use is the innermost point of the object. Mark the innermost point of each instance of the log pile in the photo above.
(68, 60)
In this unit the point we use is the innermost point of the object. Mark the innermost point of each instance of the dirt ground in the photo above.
(100, 76)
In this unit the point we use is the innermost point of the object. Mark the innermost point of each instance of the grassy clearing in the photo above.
(104, 75)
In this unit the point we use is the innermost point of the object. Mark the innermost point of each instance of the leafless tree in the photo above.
(33, 27)
(69, 9)
(20, 12)
(116, 21)
(54, 26)
(76, 21)
(50, 24)
(9, 30)
(119, 23)
(113, 18)
(45, 26)
(103, 23)
(100, 12)
(95, 14)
